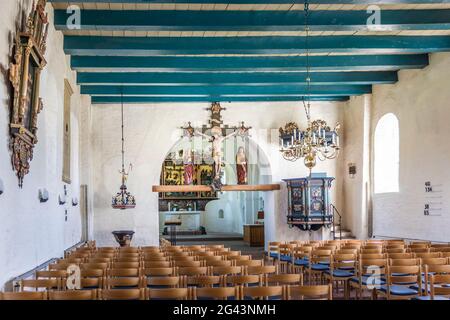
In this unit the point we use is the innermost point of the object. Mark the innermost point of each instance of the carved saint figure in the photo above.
(241, 166)
(188, 164)
(216, 138)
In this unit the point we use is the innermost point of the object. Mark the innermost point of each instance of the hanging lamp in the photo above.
(123, 199)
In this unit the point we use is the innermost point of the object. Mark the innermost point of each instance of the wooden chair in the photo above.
(439, 291)
(227, 270)
(319, 292)
(123, 282)
(433, 267)
(167, 281)
(239, 258)
(300, 259)
(123, 272)
(262, 292)
(73, 295)
(369, 256)
(126, 260)
(408, 255)
(183, 263)
(99, 260)
(342, 269)
(238, 280)
(40, 284)
(260, 270)
(319, 263)
(125, 265)
(24, 295)
(168, 294)
(428, 255)
(285, 258)
(191, 271)
(273, 251)
(399, 282)
(217, 293)
(369, 276)
(93, 273)
(60, 266)
(283, 279)
(122, 294)
(71, 260)
(203, 281)
(91, 283)
(94, 265)
(219, 263)
(156, 264)
(132, 250)
(248, 263)
(48, 274)
(158, 272)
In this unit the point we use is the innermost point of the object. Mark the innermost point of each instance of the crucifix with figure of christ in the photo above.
(217, 136)
(216, 133)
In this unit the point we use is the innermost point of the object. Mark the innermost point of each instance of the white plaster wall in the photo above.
(356, 149)
(151, 132)
(31, 232)
(420, 100)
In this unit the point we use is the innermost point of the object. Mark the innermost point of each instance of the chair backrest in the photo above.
(371, 250)
(397, 250)
(125, 265)
(249, 263)
(40, 284)
(73, 295)
(158, 272)
(226, 270)
(122, 294)
(260, 269)
(319, 292)
(419, 250)
(242, 279)
(404, 275)
(123, 282)
(167, 281)
(91, 283)
(93, 273)
(123, 272)
(404, 262)
(368, 256)
(168, 293)
(25, 295)
(408, 255)
(434, 261)
(187, 263)
(283, 279)
(47, 274)
(93, 265)
(100, 260)
(218, 293)
(436, 285)
(320, 256)
(239, 257)
(219, 263)
(204, 281)
(344, 260)
(191, 271)
(156, 264)
(262, 292)
(126, 259)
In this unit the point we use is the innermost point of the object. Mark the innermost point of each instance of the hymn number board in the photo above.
(433, 199)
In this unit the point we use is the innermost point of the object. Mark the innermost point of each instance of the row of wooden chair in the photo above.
(285, 292)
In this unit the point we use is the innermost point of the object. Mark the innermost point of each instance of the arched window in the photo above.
(386, 157)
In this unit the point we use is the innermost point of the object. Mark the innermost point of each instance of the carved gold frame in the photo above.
(24, 75)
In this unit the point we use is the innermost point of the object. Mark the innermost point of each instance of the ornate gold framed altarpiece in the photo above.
(24, 74)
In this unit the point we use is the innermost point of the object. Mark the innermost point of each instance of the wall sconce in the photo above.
(352, 170)
(74, 202)
(43, 195)
(2, 187)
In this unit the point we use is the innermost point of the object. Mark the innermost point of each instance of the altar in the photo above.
(190, 220)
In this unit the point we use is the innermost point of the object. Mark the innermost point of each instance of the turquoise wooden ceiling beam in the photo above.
(337, 90)
(134, 100)
(230, 64)
(143, 46)
(325, 20)
(260, 1)
(253, 78)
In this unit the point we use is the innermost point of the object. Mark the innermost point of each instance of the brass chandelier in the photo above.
(123, 199)
(318, 140)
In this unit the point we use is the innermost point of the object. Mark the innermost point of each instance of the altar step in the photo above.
(212, 236)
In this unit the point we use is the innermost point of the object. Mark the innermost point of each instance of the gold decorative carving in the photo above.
(24, 75)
